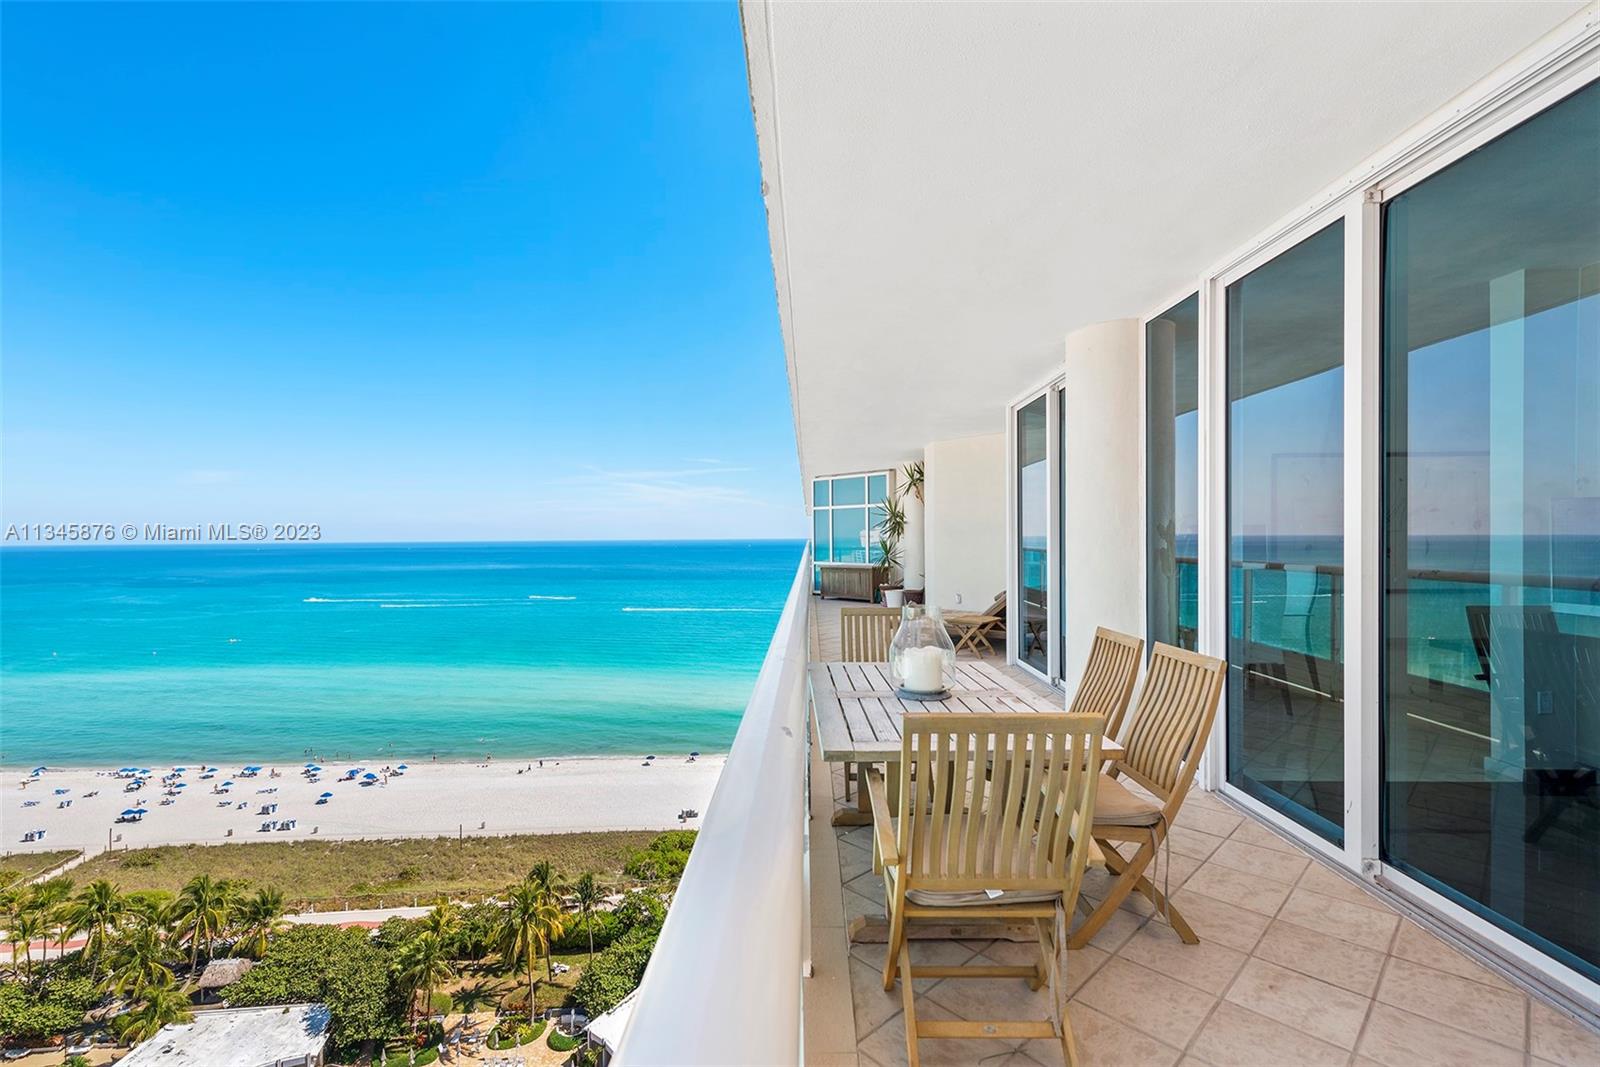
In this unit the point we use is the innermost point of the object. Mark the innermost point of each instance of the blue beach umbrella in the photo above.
(369, 776)
(401, 767)
(38, 770)
(132, 811)
(62, 792)
(228, 782)
(181, 785)
(326, 795)
(179, 770)
(311, 765)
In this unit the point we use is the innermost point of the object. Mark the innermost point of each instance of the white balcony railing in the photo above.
(724, 984)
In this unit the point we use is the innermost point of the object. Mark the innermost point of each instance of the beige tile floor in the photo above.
(1298, 964)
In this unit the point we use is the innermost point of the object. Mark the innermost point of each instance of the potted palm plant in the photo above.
(890, 532)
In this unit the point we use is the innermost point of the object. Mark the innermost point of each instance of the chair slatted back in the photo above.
(865, 633)
(1172, 721)
(1025, 826)
(1108, 677)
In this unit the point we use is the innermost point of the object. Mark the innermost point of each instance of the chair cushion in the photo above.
(931, 898)
(1117, 805)
(971, 898)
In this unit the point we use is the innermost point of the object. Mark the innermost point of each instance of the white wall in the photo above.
(965, 520)
(1105, 538)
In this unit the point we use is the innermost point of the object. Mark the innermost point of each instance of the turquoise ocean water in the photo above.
(162, 654)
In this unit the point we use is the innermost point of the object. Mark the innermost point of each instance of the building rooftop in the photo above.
(246, 1037)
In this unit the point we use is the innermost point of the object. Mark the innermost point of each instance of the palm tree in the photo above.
(423, 965)
(202, 910)
(28, 924)
(589, 894)
(441, 920)
(151, 905)
(258, 918)
(159, 1004)
(550, 885)
(53, 896)
(544, 876)
(139, 959)
(524, 930)
(98, 908)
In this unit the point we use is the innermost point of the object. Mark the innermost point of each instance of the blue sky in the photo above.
(410, 272)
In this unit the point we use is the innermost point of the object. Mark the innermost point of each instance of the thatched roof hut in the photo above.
(219, 973)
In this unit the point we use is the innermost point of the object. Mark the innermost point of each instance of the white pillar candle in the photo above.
(924, 669)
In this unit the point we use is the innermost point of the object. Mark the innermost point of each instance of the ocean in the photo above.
(155, 655)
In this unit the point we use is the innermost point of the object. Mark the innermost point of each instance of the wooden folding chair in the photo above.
(966, 845)
(1108, 677)
(865, 633)
(1162, 750)
(864, 637)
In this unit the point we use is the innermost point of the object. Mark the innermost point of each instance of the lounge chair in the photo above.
(971, 629)
(1162, 750)
(963, 846)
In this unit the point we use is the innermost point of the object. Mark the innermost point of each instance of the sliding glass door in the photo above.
(1172, 470)
(1285, 442)
(1491, 617)
(1032, 613)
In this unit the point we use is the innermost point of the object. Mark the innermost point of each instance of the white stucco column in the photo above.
(1104, 545)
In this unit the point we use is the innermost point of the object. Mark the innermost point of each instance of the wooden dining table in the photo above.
(859, 716)
(859, 719)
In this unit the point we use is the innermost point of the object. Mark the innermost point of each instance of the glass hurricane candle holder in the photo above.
(921, 655)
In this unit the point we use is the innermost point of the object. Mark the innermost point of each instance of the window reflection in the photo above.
(1033, 537)
(1172, 370)
(1285, 353)
(1492, 501)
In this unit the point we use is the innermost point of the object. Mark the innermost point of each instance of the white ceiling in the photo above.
(953, 188)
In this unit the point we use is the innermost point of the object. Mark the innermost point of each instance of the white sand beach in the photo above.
(428, 799)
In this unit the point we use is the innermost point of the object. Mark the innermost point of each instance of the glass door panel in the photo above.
(1172, 468)
(1033, 535)
(1285, 359)
(1491, 619)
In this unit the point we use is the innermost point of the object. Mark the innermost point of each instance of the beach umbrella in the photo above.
(131, 811)
(60, 792)
(326, 795)
(694, 753)
(179, 770)
(38, 770)
(181, 785)
(369, 775)
(228, 782)
(401, 767)
(311, 765)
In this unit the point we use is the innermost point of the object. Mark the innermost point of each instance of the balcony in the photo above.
(1298, 963)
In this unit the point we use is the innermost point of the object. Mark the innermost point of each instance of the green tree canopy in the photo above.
(343, 969)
